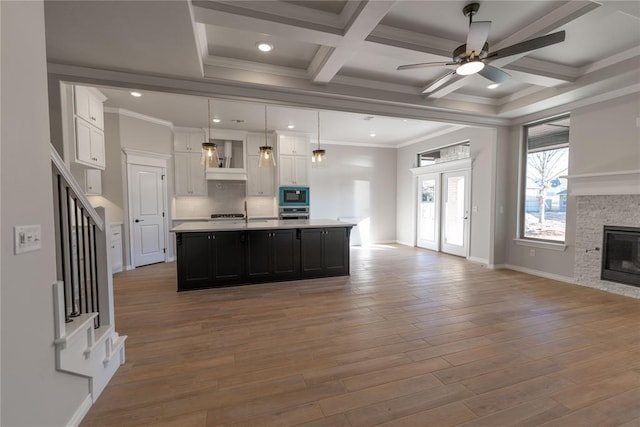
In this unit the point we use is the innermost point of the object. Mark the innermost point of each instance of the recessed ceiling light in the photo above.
(493, 85)
(216, 120)
(136, 94)
(264, 46)
(372, 134)
(291, 126)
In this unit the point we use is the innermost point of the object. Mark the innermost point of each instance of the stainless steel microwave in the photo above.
(294, 196)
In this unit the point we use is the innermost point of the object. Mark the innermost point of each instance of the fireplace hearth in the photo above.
(621, 255)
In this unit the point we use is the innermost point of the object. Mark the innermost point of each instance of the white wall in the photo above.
(33, 393)
(603, 137)
(483, 143)
(358, 182)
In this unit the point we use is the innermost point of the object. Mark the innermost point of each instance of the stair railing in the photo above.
(81, 259)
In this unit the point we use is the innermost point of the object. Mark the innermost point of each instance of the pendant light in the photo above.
(266, 160)
(210, 158)
(319, 158)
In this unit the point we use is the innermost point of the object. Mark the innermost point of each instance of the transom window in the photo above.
(544, 192)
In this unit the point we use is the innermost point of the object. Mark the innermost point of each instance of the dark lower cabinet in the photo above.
(273, 255)
(223, 258)
(207, 260)
(324, 251)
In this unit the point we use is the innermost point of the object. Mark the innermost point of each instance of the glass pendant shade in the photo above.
(210, 158)
(210, 155)
(267, 158)
(319, 156)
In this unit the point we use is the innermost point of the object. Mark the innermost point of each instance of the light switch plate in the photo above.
(27, 238)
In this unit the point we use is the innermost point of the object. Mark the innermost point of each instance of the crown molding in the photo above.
(134, 115)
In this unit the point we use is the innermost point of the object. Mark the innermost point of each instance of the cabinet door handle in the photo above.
(213, 237)
(139, 220)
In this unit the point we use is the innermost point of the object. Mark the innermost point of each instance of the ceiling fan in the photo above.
(474, 56)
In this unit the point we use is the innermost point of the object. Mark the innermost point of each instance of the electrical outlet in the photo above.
(532, 252)
(27, 238)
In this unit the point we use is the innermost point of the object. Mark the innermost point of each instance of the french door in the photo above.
(455, 213)
(429, 212)
(443, 212)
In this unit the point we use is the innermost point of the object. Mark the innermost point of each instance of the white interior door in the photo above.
(147, 205)
(455, 213)
(429, 212)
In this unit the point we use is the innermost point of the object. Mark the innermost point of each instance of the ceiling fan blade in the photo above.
(529, 45)
(451, 77)
(477, 37)
(494, 74)
(424, 65)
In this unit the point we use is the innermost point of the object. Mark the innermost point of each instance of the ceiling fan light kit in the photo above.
(474, 56)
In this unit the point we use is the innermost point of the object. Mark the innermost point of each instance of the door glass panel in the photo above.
(428, 210)
(454, 211)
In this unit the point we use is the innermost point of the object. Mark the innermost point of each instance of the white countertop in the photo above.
(257, 225)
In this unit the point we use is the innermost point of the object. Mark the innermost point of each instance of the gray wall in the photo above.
(358, 182)
(32, 392)
(483, 142)
(144, 136)
(603, 137)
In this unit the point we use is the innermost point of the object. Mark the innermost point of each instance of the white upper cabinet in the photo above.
(188, 140)
(93, 182)
(89, 126)
(89, 144)
(293, 159)
(88, 105)
(189, 175)
(259, 180)
(296, 145)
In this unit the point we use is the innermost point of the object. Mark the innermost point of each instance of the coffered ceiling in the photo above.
(350, 50)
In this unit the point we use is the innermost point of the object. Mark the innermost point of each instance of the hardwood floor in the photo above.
(411, 338)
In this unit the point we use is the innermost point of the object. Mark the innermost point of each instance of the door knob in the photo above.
(139, 220)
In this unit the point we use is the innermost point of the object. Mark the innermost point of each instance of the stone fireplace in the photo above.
(619, 212)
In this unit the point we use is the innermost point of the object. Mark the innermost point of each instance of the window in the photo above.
(445, 154)
(546, 162)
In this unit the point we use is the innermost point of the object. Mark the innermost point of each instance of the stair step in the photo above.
(73, 329)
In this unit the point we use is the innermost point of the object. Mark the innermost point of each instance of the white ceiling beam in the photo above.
(363, 20)
(412, 41)
(560, 16)
(311, 34)
(276, 11)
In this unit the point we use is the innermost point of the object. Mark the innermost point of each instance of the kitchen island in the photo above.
(212, 254)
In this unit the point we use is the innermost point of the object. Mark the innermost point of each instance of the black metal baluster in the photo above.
(70, 199)
(95, 267)
(62, 253)
(84, 261)
(89, 228)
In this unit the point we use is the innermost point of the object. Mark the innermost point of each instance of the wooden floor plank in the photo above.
(374, 348)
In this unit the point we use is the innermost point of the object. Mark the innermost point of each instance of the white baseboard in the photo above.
(536, 273)
(171, 259)
(80, 413)
(129, 267)
(476, 260)
(400, 242)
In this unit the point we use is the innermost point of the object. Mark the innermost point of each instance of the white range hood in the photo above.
(226, 174)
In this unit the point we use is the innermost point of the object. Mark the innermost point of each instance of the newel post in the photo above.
(105, 278)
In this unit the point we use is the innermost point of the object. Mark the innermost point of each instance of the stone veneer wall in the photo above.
(593, 213)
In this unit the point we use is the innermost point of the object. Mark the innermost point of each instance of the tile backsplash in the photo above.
(223, 197)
